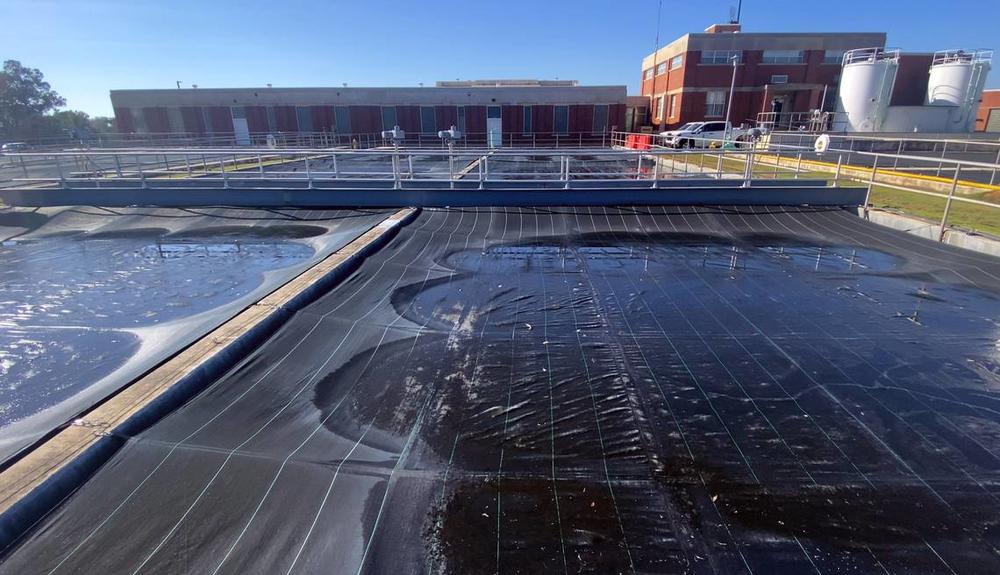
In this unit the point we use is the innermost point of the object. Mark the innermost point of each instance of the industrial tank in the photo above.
(865, 88)
(950, 75)
(956, 79)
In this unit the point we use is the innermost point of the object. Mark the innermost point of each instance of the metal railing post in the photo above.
(309, 176)
(479, 165)
(566, 185)
(118, 166)
(142, 177)
(336, 170)
(944, 148)
(871, 184)
(996, 163)
(187, 163)
(836, 173)
(748, 168)
(260, 166)
(62, 177)
(409, 165)
(798, 165)
(396, 176)
(947, 204)
(451, 165)
(656, 171)
(638, 167)
(225, 177)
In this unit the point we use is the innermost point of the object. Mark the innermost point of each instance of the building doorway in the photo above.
(494, 126)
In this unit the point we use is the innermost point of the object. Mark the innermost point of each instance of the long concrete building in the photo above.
(521, 107)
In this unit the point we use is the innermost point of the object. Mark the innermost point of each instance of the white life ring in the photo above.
(822, 143)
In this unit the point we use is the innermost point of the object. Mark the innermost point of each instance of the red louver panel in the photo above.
(408, 118)
(616, 117)
(581, 118)
(513, 119)
(156, 120)
(286, 119)
(475, 120)
(541, 119)
(446, 117)
(257, 119)
(366, 119)
(322, 117)
(123, 120)
(222, 119)
(194, 121)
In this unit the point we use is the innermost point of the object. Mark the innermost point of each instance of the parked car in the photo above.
(14, 147)
(701, 135)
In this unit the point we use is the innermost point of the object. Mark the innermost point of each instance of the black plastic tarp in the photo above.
(633, 390)
(94, 297)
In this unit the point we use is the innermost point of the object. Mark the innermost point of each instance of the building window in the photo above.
(562, 119)
(272, 119)
(526, 127)
(673, 105)
(715, 103)
(784, 57)
(833, 57)
(600, 118)
(779, 79)
(676, 61)
(659, 108)
(388, 117)
(721, 56)
(647, 74)
(661, 68)
(461, 119)
(342, 114)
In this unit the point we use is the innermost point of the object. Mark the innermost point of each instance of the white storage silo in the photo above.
(950, 75)
(956, 79)
(866, 82)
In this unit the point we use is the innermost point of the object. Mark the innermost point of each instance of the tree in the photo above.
(24, 98)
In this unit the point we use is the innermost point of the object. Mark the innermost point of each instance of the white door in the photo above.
(494, 127)
(242, 131)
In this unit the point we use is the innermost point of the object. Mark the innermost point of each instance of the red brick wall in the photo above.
(991, 99)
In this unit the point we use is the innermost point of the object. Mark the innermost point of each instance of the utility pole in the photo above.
(178, 84)
(732, 88)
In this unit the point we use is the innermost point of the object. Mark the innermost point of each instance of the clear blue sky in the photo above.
(86, 48)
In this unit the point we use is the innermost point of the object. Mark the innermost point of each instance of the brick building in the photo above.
(688, 79)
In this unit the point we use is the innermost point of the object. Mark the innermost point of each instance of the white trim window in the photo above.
(673, 105)
(661, 68)
(647, 74)
(784, 57)
(676, 61)
(715, 104)
(659, 108)
(719, 57)
(779, 78)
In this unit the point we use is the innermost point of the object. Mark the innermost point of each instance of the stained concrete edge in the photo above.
(926, 229)
(38, 481)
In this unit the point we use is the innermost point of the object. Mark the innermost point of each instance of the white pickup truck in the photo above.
(701, 135)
